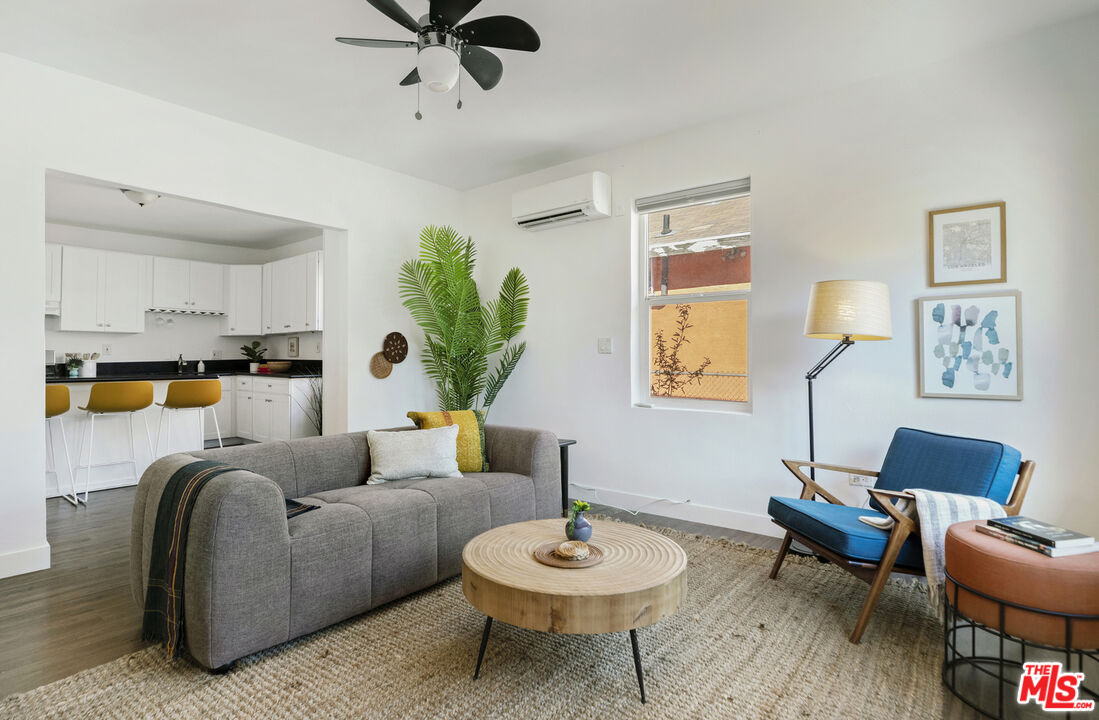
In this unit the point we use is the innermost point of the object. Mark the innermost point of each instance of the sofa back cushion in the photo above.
(305, 466)
(926, 460)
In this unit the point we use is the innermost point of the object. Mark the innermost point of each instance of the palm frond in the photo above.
(513, 302)
(503, 371)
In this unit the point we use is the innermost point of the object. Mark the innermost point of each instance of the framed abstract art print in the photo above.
(970, 346)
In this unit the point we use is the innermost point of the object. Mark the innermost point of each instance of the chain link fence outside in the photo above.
(730, 387)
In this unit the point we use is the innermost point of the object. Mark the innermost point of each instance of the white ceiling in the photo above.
(72, 200)
(609, 72)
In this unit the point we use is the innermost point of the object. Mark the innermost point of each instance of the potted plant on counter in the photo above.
(254, 353)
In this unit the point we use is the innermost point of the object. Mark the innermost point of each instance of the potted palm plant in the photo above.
(254, 353)
(461, 334)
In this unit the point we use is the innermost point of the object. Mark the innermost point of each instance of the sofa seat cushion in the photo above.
(329, 550)
(404, 542)
(838, 528)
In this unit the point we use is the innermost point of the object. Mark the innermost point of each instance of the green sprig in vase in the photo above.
(578, 527)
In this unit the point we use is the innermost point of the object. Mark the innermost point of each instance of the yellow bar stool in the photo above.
(189, 395)
(57, 404)
(115, 398)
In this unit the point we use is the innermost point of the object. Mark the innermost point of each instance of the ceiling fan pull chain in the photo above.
(418, 115)
(459, 89)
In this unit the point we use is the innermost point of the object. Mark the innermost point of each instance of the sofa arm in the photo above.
(237, 572)
(528, 452)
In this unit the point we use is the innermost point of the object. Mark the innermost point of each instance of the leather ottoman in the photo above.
(1017, 575)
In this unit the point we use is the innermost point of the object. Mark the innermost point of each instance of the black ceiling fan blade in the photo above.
(485, 67)
(396, 13)
(500, 31)
(412, 78)
(451, 12)
(367, 42)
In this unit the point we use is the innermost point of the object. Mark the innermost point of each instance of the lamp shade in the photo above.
(858, 309)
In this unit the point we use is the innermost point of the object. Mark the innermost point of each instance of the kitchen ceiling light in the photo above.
(140, 197)
(438, 67)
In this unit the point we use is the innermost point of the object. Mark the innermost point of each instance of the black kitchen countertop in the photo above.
(166, 370)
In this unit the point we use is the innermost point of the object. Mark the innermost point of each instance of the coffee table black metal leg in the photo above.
(484, 644)
(636, 663)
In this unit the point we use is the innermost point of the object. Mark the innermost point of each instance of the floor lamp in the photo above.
(843, 310)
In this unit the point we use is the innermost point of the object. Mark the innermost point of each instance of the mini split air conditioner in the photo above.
(573, 200)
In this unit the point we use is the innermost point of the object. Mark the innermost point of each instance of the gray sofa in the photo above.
(253, 579)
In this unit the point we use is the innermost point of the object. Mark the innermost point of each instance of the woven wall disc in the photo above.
(379, 366)
(395, 347)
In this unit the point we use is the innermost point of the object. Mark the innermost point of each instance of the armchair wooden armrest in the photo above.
(885, 499)
(811, 487)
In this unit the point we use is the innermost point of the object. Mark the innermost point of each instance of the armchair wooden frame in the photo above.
(875, 574)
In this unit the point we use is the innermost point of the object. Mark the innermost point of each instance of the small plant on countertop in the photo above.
(253, 352)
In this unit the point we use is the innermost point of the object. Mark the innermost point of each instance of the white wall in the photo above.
(841, 185)
(75, 125)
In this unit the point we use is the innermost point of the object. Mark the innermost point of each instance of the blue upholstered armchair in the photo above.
(916, 459)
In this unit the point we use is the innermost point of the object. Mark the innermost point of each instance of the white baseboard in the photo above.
(694, 512)
(25, 561)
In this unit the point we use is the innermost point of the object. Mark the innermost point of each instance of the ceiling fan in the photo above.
(443, 46)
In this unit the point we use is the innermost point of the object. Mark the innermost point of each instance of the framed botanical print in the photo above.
(968, 245)
(971, 346)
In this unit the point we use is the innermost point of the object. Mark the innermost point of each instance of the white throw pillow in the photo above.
(404, 454)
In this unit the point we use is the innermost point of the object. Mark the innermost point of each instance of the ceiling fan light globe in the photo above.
(438, 67)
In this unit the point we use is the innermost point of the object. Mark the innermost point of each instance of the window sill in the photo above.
(714, 407)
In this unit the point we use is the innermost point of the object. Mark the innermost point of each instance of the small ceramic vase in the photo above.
(578, 528)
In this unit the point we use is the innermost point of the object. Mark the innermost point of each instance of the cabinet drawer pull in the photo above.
(285, 326)
(232, 329)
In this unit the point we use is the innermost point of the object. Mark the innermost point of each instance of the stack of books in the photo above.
(1039, 536)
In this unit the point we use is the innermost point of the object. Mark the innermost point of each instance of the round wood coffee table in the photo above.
(640, 581)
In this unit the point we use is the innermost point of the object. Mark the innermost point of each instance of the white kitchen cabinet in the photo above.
(101, 291)
(293, 294)
(188, 285)
(53, 279)
(207, 287)
(244, 300)
(268, 281)
(242, 412)
(272, 408)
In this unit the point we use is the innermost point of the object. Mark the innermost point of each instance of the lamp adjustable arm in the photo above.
(816, 370)
(827, 360)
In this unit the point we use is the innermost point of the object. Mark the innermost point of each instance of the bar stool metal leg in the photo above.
(148, 438)
(216, 427)
(68, 461)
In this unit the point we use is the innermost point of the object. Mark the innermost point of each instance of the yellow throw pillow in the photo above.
(471, 434)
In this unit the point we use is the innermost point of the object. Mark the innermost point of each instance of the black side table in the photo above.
(564, 443)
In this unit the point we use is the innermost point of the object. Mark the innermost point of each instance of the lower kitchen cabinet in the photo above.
(272, 408)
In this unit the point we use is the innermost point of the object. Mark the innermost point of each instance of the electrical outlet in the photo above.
(317, 347)
(215, 354)
(860, 480)
(604, 345)
(106, 350)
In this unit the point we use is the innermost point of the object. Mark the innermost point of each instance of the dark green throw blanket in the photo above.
(163, 622)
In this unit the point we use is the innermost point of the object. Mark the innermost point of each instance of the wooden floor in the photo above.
(79, 613)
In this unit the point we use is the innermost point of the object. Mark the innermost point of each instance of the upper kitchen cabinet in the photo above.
(53, 279)
(101, 291)
(293, 294)
(244, 306)
(188, 286)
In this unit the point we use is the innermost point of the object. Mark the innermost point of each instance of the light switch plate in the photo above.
(604, 345)
(106, 350)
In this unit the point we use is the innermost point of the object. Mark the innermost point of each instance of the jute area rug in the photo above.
(743, 646)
